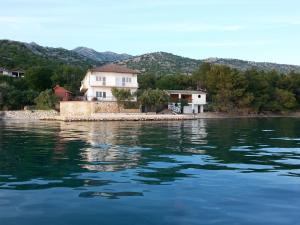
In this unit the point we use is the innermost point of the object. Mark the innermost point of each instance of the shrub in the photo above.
(46, 100)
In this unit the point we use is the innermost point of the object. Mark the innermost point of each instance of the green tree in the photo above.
(286, 100)
(46, 100)
(175, 82)
(147, 81)
(153, 98)
(69, 77)
(122, 95)
(39, 78)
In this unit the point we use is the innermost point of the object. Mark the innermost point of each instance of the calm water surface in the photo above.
(231, 171)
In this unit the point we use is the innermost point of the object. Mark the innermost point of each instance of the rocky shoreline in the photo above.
(51, 115)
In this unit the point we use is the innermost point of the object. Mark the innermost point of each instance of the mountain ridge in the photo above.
(106, 56)
(24, 55)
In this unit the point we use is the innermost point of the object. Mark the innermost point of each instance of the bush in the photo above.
(46, 100)
(154, 97)
(123, 96)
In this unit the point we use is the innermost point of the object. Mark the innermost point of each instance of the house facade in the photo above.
(196, 101)
(99, 81)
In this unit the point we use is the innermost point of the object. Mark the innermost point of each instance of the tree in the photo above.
(286, 100)
(154, 98)
(147, 81)
(175, 82)
(69, 77)
(122, 95)
(39, 78)
(46, 100)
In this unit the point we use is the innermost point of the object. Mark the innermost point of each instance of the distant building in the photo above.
(98, 82)
(62, 93)
(195, 100)
(12, 73)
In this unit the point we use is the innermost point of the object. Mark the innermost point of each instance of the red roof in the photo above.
(113, 68)
(61, 88)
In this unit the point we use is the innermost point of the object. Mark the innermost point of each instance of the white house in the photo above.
(98, 82)
(12, 73)
(195, 99)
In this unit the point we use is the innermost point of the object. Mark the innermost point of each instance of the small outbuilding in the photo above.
(195, 101)
(62, 93)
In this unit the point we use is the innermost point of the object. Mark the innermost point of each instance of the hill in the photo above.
(245, 65)
(162, 63)
(100, 56)
(15, 54)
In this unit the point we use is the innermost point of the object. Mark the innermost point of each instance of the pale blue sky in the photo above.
(259, 30)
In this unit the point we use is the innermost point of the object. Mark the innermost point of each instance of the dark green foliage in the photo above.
(153, 97)
(147, 81)
(12, 98)
(69, 77)
(231, 90)
(175, 82)
(168, 82)
(39, 78)
(46, 100)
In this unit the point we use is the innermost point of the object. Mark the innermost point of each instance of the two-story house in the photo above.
(99, 81)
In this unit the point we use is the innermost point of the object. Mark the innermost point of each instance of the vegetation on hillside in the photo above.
(44, 68)
(231, 90)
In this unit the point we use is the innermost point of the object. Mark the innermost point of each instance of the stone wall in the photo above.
(86, 108)
(28, 114)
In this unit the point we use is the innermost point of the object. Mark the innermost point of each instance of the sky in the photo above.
(256, 30)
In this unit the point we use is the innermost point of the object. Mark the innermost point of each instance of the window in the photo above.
(199, 96)
(128, 79)
(123, 81)
(103, 79)
(98, 94)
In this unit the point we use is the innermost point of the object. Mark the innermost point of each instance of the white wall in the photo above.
(197, 100)
(111, 79)
(91, 93)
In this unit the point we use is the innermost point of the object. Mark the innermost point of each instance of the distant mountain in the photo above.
(21, 55)
(245, 65)
(162, 63)
(100, 56)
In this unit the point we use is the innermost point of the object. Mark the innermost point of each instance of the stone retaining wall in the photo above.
(28, 114)
(85, 108)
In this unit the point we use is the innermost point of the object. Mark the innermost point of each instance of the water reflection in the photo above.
(44, 155)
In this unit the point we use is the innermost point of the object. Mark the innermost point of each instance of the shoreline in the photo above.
(51, 115)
